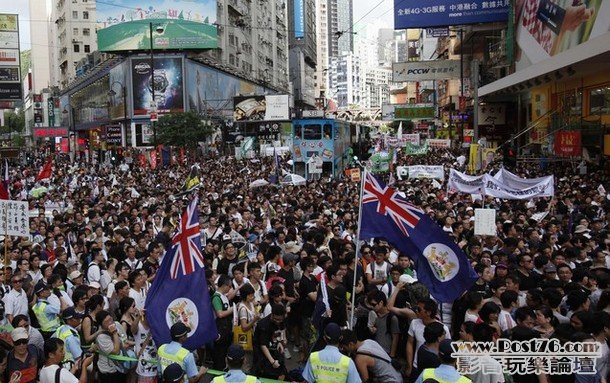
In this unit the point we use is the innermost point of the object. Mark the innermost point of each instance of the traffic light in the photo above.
(509, 156)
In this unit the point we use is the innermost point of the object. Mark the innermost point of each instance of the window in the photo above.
(312, 132)
(328, 131)
(76, 48)
(86, 15)
(75, 14)
(87, 48)
(599, 101)
(297, 132)
(75, 31)
(86, 32)
(231, 60)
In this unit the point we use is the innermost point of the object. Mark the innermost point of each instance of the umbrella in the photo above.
(258, 183)
(37, 192)
(294, 179)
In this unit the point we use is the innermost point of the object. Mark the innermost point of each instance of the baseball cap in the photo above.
(236, 352)
(71, 262)
(19, 333)
(95, 285)
(40, 287)
(70, 313)
(173, 373)
(501, 265)
(405, 278)
(288, 257)
(445, 350)
(75, 275)
(332, 332)
(179, 330)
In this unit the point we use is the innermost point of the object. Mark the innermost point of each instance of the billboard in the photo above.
(117, 81)
(544, 28)
(407, 111)
(175, 34)
(168, 85)
(425, 70)
(112, 12)
(261, 108)
(436, 13)
(210, 90)
(299, 19)
(10, 59)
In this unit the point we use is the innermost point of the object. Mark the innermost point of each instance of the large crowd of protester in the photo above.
(98, 233)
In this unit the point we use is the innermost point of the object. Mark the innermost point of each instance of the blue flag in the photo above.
(441, 265)
(179, 292)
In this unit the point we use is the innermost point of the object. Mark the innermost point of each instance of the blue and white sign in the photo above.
(436, 13)
(299, 20)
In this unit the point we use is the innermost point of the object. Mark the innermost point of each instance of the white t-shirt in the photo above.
(380, 272)
(139, 297)
(144, 368)
(416, 330)
(47, 375)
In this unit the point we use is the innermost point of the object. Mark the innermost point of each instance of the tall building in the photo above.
(340, 20)
(72, 37)
(321, 76)
(345, 80)
(303, 53)
(253, 40)
(41, 48)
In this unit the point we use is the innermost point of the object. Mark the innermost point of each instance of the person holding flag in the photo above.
(178, 299)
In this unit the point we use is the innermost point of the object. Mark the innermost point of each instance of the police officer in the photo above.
(46, 313)
(446, 372)
(173, 374)
(235, 361)
(68, 334)
(173, 352)
(329, 365)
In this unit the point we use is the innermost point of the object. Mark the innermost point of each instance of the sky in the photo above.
(365, 11)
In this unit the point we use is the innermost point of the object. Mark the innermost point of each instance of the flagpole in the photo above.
(357, 258)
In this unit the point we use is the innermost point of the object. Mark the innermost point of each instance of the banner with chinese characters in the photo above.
(415, 113)
(14, 219)
(568, 143)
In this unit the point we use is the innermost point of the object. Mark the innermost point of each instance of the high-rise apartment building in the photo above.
(303, 53)
(321, 76)
(345, 80)
(72, 36)
(253, 40)
(41, 48)
(340, 20)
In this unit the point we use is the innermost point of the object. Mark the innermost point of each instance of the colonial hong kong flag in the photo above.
(179, 292)
(441, 265)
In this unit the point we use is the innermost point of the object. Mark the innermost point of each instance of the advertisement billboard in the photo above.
(167, 34)
(436, 13)
(111, 12)
(544, 29)
(261, 108)
(299, 19)
(168, 85)
(117, 83)
(425, 70)
(10, 81)
(210, 89)
(407, 111)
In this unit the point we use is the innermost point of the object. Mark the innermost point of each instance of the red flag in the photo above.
(153, 159)
(143, 162)
(46, 171)
(4, 184)
(181, 155)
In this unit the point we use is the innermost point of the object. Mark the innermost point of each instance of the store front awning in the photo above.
(592, 56)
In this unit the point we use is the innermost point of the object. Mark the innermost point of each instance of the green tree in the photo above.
(182, 129)
(14, 123)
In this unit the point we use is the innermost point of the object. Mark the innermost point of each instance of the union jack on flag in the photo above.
(390, 203)
(185, 252)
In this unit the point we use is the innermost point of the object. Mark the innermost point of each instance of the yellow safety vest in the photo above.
(46, 324)
(326, 372)
(429, 373)
(63, 333)
(165, 358)
(221, 379)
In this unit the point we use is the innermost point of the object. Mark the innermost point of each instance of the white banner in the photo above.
(463, 183)
(485, 222)
(277, 107)
(516, 182)
(14, 219)
(439, 143)
(490, 186)
(425, 171)
(396, 142)
(402, 171)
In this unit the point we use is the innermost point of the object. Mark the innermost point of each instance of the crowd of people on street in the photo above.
(281, 265)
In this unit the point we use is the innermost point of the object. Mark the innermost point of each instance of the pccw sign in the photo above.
(425, 70)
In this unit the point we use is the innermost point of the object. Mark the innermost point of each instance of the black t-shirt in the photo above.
(150, 268)
(338, 302)
(225, 266)
(427, 359)
(267, 333)
(306, 286)
(288, 276)
(528, 282)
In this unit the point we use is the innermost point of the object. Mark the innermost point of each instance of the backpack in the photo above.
(388, 267)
